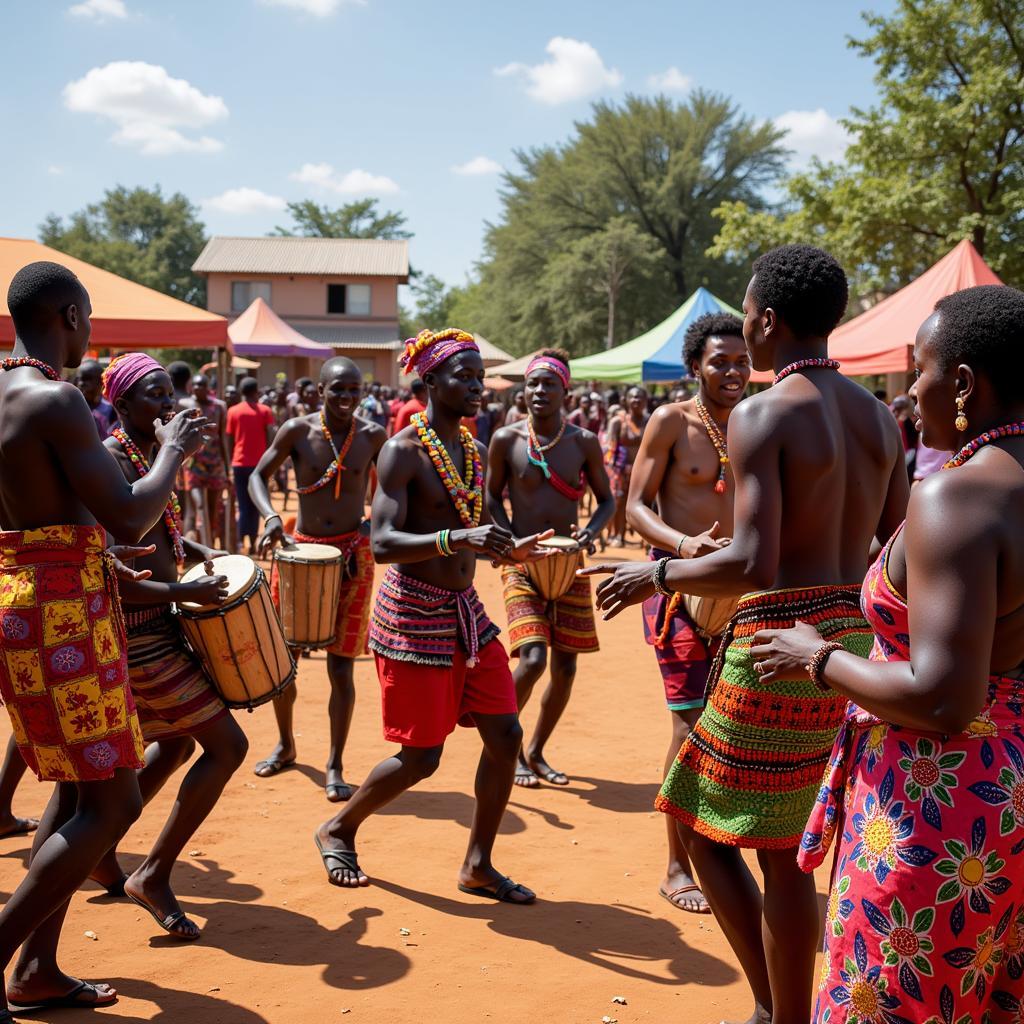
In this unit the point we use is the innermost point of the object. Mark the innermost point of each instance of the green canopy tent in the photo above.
(656, 355)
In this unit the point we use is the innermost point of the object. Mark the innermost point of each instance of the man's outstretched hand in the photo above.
(628, 583)
(121, 553)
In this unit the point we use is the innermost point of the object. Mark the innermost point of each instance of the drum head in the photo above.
(239, 569)
(563, 545)
(307, 553)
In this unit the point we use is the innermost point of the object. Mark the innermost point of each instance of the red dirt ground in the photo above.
(282, 946)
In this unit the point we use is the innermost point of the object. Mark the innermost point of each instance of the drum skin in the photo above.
(554, 576)
(240, 643)
(309, 577)
(710, 614)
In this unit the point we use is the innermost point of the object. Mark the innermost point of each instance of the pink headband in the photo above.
(124, 371)
(428, 350)
(556, 366)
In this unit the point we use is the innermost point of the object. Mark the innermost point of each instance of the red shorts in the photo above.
(422, 704)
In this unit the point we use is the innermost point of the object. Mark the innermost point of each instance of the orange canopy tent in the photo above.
(259, 331)
(124, 314)
(881, 340)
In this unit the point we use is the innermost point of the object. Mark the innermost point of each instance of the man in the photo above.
(176, 703)
(417, 403)
(332, 451)
(681, 470)
(88, 381)
(250, 429)
(206, 474)
(623, 442)
(438, 657)
(304, 399)
(819, 475)
(63, 675)
(546, 464)
(181, 378)
(373, 407)
(518, 411)
(585, 416)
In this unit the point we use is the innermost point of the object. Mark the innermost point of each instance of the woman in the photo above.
(925, 794)
(624, 435)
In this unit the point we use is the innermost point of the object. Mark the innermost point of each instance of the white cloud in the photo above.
(245, 200)
(355, 182)
(99, 9)
(574, 72)
(478, 165)
(55, 170)
(672, 80)
(812, 133)
(318, 8)
(148, 107)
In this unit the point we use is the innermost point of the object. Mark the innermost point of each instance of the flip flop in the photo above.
(681, 891)
(338, 792)
(345, 858)
(22, 827)
(526, 774)
(70, 1000)
(499, 892)
(554, 778)
(169, 922)
(273, 764)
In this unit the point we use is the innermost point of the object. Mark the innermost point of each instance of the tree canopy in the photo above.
(939, 159)
(358, 219)
(139, 234)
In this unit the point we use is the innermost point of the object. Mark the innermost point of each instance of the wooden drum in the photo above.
(240, 643)
(309, 576)
(710, 614)
(554, 576)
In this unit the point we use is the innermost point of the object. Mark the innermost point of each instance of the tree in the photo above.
(657, 165)
(941, 158)
(138, 234)
(358, 219)
(434, 301)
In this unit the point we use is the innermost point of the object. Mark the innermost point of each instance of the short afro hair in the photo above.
(710, 325)
(555, 353)
(983, 327)
(180, 373)
(804, 285)
(40, 290)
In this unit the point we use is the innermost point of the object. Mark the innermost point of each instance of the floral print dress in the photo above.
(925, 917)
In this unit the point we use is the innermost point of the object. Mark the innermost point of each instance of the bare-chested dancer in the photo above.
(332, 451)
(623, 443)
(64, 676)
(547, 465)
(819, 473)
(680, 502)
(206, 475)
(439, 661)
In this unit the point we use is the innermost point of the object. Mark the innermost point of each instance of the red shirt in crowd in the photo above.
(406, 413)
(247, 424)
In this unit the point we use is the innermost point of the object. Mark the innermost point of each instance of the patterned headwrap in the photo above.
(552, 363)
(429, 350)
(124, 371)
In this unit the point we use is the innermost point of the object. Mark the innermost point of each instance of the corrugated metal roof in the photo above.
(342, 336)
(326, 257)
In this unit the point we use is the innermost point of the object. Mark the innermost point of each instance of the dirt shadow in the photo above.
(447, 806)
(195, 876)
(174, 1005)
(613, 937)
(278, 935)
(614, 795)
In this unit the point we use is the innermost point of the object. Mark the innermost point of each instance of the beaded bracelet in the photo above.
(443, 543)
(816, 665)
(679, 547)
(659, 577)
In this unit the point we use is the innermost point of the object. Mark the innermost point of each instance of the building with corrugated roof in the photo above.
(341, 292)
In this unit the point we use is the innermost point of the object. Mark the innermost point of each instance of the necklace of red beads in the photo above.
(805, 364)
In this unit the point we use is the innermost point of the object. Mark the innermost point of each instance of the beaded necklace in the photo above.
(172, 512)
(803, 364)
(337, 466)
(469, 501)
(717, 439)
(1009, 430)
(535, 451)
(44, 368)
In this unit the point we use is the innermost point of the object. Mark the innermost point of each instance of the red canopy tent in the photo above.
(881, 339)
(124, 314)
(259, 331)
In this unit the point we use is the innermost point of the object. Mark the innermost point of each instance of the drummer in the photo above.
(547, 464)
(177, 705)
(682, 470)
(332, 451)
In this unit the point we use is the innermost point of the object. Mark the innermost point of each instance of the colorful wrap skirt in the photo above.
(566, 624)
(925, 915)
(751, 768)
(63, 661)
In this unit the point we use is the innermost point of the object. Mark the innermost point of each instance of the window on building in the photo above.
(243, 293)
(350, 299)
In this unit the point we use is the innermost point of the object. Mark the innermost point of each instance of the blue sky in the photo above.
(244, 104)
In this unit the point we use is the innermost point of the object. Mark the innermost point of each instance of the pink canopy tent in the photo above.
(881, 340)
(259, 331)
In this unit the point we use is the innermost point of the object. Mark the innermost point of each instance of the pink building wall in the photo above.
(302, 296)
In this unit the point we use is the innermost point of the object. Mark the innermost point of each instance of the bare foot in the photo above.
(682, 891)
(56, 989)
(11, 825)
(339, 857)
(157, 898)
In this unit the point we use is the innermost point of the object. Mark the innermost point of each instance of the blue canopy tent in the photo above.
(656, 355)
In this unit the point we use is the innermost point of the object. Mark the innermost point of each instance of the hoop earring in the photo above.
(961, 420)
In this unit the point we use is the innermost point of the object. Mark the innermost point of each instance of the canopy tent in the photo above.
(490, 353)
(881, 340)
(259, 331)
(654, 356)
(124, 314)
(514, 369)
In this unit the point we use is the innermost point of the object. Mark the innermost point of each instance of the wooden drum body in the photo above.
(240, 643)
(554, 576)
(710, 614)
(309, 578)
